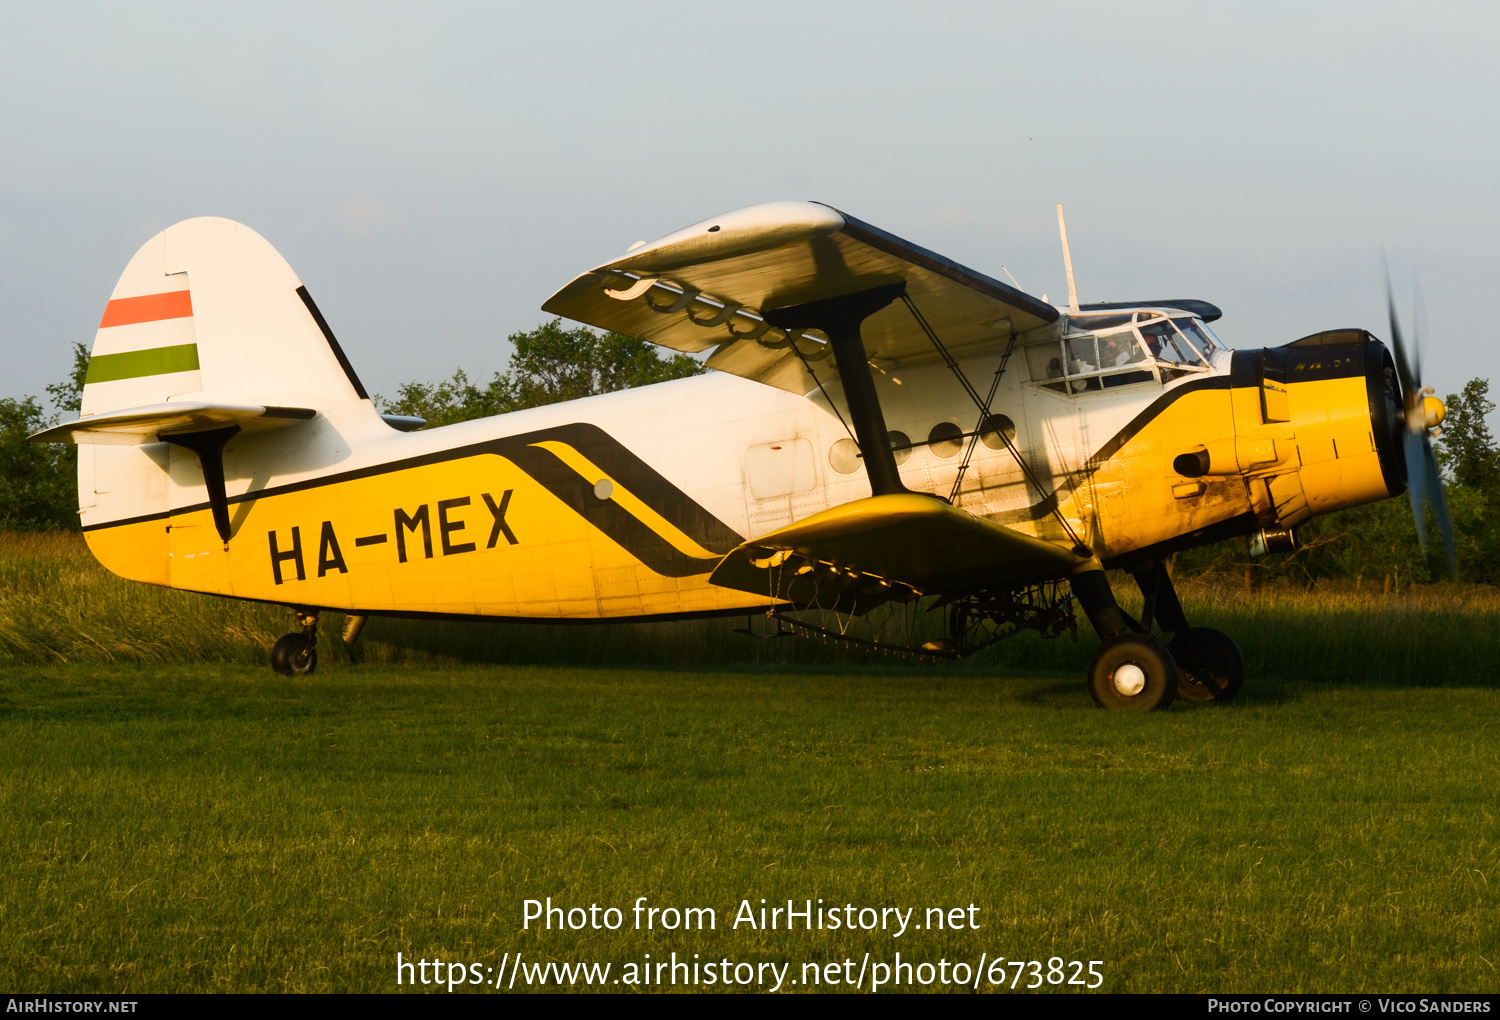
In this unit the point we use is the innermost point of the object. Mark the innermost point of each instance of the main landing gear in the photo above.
(297, 654)
(1136, 672)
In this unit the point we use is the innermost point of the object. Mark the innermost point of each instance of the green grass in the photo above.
(179, 825)
(57, 605)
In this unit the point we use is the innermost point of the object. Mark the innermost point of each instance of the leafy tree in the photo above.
(68, 394)
(452, 400)
(550, 364)
(1467, 450)
(553, 364)
(37, 480)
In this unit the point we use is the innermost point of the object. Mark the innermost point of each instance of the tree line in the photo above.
(1375, 543)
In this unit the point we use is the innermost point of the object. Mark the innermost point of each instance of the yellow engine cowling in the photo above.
(1317, 428)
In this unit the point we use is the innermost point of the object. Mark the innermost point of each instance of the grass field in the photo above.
(177, 817)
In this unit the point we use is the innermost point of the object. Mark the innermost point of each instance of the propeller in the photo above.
(1423, 413)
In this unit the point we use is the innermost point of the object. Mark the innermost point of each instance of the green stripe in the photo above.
(133, 364)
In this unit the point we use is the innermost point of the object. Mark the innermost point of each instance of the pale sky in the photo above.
(434, 172)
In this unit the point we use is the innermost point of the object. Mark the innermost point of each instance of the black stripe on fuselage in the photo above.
(609, 516)
(1112, 446)
(1300, 365)
(674, 505)
(1342, 361)
(677, 507)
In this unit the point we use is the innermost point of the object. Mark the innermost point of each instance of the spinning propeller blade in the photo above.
(1424, 483)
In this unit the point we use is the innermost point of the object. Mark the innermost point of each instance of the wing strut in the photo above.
(840, 319)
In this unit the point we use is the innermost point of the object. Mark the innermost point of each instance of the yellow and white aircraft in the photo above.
(884, 426)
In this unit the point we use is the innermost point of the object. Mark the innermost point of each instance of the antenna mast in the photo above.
(1062, 227)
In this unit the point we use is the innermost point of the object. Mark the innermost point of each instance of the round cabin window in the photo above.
(996, 426)
(900, 446)
(843, 457)
(945, 439)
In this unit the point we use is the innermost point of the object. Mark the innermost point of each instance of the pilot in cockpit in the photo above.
(1116, 353)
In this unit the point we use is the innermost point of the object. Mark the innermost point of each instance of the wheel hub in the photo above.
(1129, 679)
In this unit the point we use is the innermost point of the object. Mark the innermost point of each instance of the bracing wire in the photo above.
(803, 358)
(984, 410)
(963, 466)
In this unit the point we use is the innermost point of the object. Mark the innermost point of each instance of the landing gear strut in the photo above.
(297, 654)
(1209, 664)
(1133, 670)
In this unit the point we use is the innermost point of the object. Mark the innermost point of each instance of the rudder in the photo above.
(208, 310)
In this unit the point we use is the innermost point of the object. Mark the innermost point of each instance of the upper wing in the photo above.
(861, 554)
(705, 286)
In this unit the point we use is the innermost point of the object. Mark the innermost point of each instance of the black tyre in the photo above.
(1209, 665)
(294, 655)
(1135, 673)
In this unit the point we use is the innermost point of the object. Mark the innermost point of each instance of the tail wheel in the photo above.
(1134, 673)
(294, 655)
(1209, 665)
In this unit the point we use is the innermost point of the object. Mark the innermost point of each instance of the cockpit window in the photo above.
(1198, 336)
(1165, 345)
(1083, 354)
(1154, 349)
(1117, 350)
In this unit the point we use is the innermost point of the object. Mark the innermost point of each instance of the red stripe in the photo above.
(174, 304)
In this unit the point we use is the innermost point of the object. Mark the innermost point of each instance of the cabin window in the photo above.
(843, 457)
(1168, 347)
(1045, 362)
(997, 429)
(900, 446)
(945, 439)
(1085, 362)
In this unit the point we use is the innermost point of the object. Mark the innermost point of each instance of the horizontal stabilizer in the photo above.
(707, 287)
(901, 546)
(136, 425)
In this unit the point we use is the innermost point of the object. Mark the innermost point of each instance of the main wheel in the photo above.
(1209, 665)
(294, 655)
(1133, 673)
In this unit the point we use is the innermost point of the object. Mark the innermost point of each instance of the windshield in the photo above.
(1167, 345)
(1197, 335)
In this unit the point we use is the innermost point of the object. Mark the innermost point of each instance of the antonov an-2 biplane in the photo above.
(884, 427)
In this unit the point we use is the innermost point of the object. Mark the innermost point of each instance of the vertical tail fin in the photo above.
(207, 310)
(209, 317)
